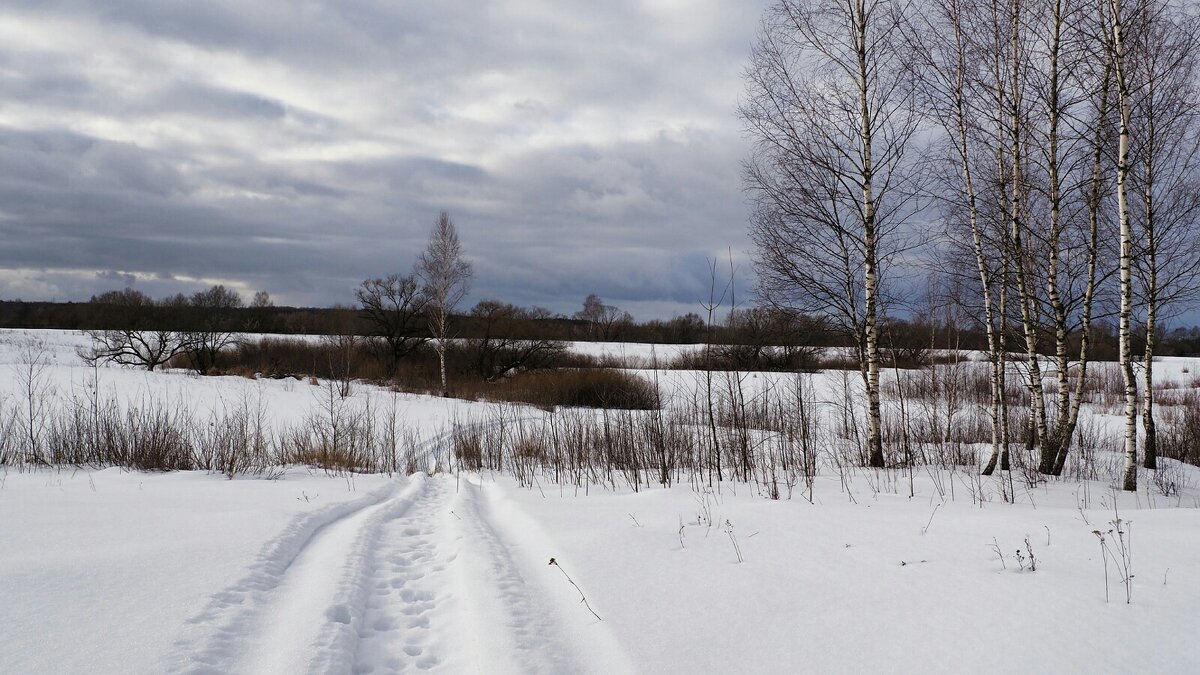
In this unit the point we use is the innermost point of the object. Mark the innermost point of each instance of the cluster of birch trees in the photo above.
(1054, 142)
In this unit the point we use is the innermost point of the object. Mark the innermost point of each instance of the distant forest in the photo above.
(750, 326)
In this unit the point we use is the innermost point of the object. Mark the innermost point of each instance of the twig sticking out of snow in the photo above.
(931, 515)
(999, 554)
(582, 597)
(1021, 557)
(1104, 558)
(1121, 552)
(728, 528)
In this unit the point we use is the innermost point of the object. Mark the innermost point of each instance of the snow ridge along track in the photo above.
(412, 579)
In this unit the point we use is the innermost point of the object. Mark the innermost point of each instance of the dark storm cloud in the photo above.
(581, 147)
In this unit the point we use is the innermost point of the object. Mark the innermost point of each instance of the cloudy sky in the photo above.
(302, 146)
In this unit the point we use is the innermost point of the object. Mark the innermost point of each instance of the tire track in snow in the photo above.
(505, 573)
(221, 637)
(552, 631)
(303, 563)
(448, 596)
(410, 619)
(534, 643)
(420, 579)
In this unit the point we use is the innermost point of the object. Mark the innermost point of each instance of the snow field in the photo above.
(882, 584)
(112, 571)
(100, 570)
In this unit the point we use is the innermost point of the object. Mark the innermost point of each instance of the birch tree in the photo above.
(953, 64)
(830, 107)
(1116, 17)
(1052, 96)
(1053, 103)
(1003, 81)
(1165, 176)
(447, 277)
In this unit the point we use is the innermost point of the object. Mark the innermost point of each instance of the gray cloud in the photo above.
(581, 147)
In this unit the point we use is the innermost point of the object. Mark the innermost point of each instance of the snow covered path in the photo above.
(413, 579)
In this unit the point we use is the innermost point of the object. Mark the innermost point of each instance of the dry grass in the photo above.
(1179, 432)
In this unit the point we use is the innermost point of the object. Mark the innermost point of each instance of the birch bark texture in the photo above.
(1124, 340)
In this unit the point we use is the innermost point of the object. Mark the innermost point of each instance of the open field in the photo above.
(773, 552)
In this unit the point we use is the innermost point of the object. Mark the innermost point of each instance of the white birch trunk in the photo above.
(985, 282)
(1125, 351)
(1150, 460)
(1150, 453)
(1025, 292)
(1060, 437)
(870, 271)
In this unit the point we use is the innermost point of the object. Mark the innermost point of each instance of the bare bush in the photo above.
(1179, 438)
(36, 391)
(212, 315)
(147, 349)
(499, 352)
(394, 308)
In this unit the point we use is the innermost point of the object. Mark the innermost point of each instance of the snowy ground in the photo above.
(114, 572)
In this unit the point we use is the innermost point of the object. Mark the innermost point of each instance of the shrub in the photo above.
(1180, 438)
(761, 358)
(575, 388)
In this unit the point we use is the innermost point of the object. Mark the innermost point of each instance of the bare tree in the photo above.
(954, 61)
(259, 314)
(447, 278)
(604, 321)
(1037, 118)
(395, 308)
(1165, 175)
(143, 348)
(213, 326)
(1116, 16)
(830, 106)
(138, 336)
(502, 349)
(1023, 110)
(37, 392)
(710, 307)
(1044, 283)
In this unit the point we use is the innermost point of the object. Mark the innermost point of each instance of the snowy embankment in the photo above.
(110, 571)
